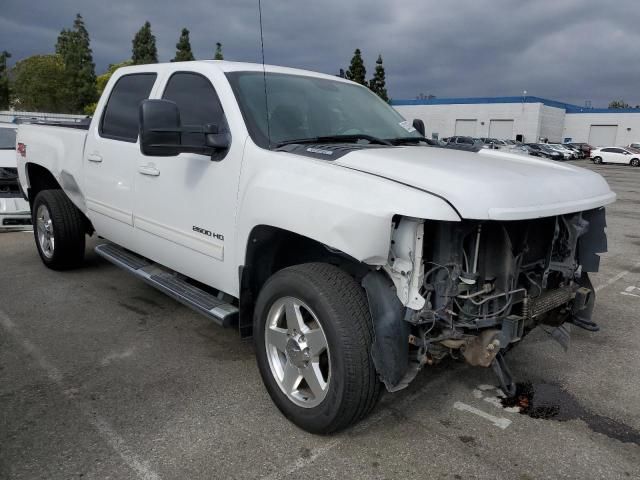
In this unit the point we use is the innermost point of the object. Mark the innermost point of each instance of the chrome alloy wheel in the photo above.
(44, 226)
(298, 352)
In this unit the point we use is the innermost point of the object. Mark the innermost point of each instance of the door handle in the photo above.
(94, 157)
(149, 170)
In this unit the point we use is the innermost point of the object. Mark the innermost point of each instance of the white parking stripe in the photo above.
(500, 422)
(106, 431)
(614, 279)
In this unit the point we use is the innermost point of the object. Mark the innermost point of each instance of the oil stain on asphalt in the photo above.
(547, 401)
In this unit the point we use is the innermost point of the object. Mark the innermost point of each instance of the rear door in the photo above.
(185, 205)
(618, 155)
(111, 157)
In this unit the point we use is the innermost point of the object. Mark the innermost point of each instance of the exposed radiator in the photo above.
(550, 300)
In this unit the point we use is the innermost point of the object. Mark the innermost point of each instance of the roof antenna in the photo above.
(264, 76)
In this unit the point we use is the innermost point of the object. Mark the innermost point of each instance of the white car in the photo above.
(14, 209)
(616, 155)
(321, 223)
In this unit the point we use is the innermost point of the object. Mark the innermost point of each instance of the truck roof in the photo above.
(227, 66)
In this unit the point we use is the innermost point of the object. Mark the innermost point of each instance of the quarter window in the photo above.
(120, 117)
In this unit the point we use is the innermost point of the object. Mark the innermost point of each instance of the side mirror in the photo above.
(159, 128)
(214, 139)
(419, 126)
(162, 133)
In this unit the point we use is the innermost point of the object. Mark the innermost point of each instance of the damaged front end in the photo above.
(472, 289)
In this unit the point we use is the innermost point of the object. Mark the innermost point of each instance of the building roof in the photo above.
(568, 107)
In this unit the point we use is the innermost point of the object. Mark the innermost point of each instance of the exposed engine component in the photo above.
(470, 289)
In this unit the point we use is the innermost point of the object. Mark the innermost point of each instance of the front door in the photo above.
(185, 205)
(111, 158)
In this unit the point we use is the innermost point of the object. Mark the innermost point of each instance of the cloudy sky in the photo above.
(568, 50)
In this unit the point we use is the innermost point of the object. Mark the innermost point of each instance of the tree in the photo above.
(39, 84)
(144, 46)
(378, 83)
(74, 48)
(218, 55)
(101, 83)
(183, 48)
(618, 104)
(356, 71)
(4, 81)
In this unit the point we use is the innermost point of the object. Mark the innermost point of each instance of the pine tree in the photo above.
(4, 81)
(356, 71)
(183, 48)
(378, 83)
(218, 55)
(74, 47)
(144, 46)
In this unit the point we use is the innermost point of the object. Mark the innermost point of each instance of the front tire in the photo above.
(635, 162)
(59, 230)
(313, 337)
(597, 160)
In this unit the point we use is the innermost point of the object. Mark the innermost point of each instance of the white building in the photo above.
(525, 118)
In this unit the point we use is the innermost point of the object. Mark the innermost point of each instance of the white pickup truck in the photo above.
(306, 212)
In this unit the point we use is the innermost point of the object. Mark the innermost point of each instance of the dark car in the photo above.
(460, 142)
(541, 150)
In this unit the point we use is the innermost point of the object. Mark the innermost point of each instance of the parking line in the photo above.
(617, 277)
(106, 431)
(500, 422)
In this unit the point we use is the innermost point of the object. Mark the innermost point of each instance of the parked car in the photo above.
(14, 210)
(567, 152)
(635, 145)
(353, 252)
(585, 147)
(460, 142)
(544, 151)
(616, 155)
(577, 151)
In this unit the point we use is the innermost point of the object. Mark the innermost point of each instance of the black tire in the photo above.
(597, 160)
(68, 230)
(342, 310)
(635, 162)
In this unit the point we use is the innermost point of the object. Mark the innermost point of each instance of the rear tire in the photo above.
(328, 301)
(59, 230)
(597, 160)
(635, 162)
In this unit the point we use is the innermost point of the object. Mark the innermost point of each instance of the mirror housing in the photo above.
(419, 126)
(159, 128)
(162, 133)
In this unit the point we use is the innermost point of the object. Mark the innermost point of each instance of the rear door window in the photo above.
(120, 117)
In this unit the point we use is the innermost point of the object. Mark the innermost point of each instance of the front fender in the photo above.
(344, 209)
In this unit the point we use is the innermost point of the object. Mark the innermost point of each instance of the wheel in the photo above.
(635, 162)
(59, 230)
(313, 337)
(597, 160)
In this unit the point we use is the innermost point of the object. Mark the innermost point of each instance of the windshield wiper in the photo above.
(336, 139)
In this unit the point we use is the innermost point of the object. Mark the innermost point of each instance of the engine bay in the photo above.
(472, 289)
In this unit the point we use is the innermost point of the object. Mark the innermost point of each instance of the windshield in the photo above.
(303, 107)
(7, 139)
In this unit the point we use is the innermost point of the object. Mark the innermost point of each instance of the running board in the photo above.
(167, 281)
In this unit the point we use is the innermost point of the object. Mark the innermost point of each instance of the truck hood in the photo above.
(490, 184)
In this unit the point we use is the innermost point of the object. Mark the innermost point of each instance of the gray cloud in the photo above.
(571, 50)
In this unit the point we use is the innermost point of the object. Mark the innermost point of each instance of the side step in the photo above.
(169, 282)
